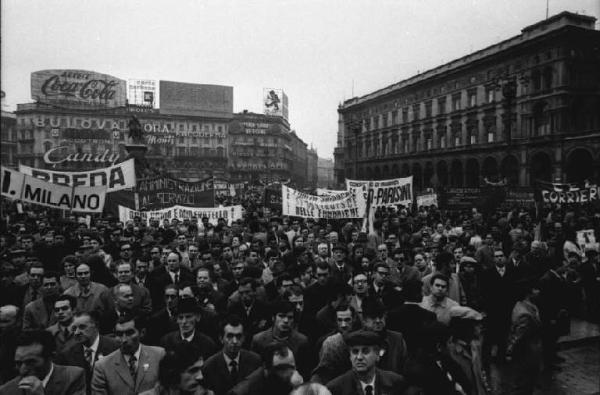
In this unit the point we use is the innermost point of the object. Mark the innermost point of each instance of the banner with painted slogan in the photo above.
(328, 192)
(427, 200)
(273, 197)
(230, 213)
(18, 186)
(556, 193)
(299, 204)
(382, 193)
(586, 240)
(163, 192)
(114, 178)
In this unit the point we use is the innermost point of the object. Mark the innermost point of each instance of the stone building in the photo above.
(523, 109)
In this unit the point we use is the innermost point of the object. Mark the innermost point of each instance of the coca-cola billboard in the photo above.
(78, 89)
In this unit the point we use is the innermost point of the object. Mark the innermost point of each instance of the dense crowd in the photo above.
(424, 303)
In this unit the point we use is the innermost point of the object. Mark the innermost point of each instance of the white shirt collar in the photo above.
(364, 385)
(47, 378)
(189, 338)
(228, 360)
(95, 344)
(136, 354)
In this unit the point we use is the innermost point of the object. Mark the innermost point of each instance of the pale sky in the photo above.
(316, 51)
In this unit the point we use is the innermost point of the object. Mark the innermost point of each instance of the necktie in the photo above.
(369, 390)
(233, 373)
(132, 366)
(176, 278)
(87, 353)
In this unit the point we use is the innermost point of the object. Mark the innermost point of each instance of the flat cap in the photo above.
(362, 338)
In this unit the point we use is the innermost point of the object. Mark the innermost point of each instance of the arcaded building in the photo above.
(526, 108)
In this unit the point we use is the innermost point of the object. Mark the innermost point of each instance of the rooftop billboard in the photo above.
(180, 98)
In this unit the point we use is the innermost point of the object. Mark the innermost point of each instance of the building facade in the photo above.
(520, 110)
(326, 173)
(260, 148)
(8, 139)
(312, 162)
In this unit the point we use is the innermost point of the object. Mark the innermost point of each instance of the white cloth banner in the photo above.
(586, 240)
(229, 214)
(19, 186)
(299, 204)
(427, 200)
(383, 193)
(115, 178)
(328, 192)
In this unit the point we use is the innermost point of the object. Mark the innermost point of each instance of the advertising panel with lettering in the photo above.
(161, 192)
(78, 89)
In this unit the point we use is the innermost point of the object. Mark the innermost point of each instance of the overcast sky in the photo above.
(318, 52)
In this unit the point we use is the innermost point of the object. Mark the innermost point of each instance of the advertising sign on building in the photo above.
(66, 154)
(179, 98)
(78, 89)
(142, 93)
(18, 186)
(275, 102)
(114, 178)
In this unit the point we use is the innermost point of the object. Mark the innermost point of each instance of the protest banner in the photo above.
(328, 192)
(555, 193)
(273, 197)
(461, 198)
(229, 214)
(114, 178)
(382, 193)
(586, 240)
(427, 200)
(300, 204)
(162, 192)
(18, 186)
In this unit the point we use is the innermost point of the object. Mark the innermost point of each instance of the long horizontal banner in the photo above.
(328, 192)
(568, 194)
(229, 214)
(19, 186)
(114, 178)
(299, 204)
(382, 193)
(162, 192)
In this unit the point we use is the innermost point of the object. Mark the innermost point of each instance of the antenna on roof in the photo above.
(547, 8)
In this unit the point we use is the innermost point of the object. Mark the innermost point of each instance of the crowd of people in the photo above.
(425, 303)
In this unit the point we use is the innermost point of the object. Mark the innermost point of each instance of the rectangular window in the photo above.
(472, 99)
(456, 102)
(405, 114)
(405, 145)
(429, 143)
(490, 95)
(180, 140)
(443, 142)
(428, 106)
(473, 139)
(490, 137)
(442, 105)
(416, 112)
(457, 140)
(395, 117)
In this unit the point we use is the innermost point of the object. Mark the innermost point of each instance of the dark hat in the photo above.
(340, 247)
(362, 338)
(187, 305)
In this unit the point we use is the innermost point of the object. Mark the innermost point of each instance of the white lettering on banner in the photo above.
(18, 186)
(582, 195)
(382, 193)
(328, 192)
(106, 156)
(114, 178)
(229, 214)
(427, 200)
(299, 204)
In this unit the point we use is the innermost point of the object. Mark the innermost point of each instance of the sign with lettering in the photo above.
(427, 200)
(328, 192)
(19, 186)
(114, 178)
(554, 193)
(78, 89)
(229, 214)
(384, 193)
(164, 192)
(63, 154)
(299, 204)
(461, 198)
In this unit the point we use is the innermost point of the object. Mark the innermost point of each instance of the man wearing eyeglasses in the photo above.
(225, 369)
(380, 286)
(401, 272)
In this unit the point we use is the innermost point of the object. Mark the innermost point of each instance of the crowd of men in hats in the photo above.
(424, 304)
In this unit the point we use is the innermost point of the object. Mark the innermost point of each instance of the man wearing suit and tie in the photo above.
(171, 273)
(225, 369)
(365, 378)
(37, 373)
(131, 369)
(89, 347)
(188, 315)
(39, 314)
